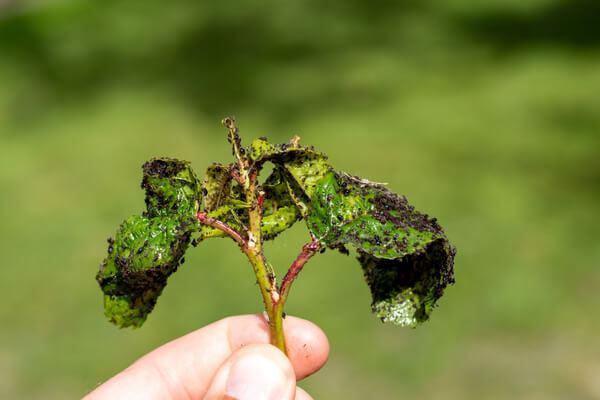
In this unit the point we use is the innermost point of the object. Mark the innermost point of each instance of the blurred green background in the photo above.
(485, 114)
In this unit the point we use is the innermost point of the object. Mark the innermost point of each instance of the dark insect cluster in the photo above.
(392, 239)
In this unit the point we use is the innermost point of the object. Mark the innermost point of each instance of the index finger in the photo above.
(184, 367)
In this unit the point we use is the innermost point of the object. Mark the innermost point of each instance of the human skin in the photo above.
(228, 359)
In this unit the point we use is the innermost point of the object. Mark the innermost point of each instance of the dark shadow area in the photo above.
(568, 23)
(215, 67)
(219, 59)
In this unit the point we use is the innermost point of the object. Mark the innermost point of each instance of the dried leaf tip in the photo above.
(233, 137)
(228, 122)
(234, 133)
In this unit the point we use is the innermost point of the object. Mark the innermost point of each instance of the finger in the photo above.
(184, 367)
(257, 371)
(302, 395)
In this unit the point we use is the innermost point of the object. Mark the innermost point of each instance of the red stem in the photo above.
(308, 250)
(235, 174)
(261, 200)
(215, 223)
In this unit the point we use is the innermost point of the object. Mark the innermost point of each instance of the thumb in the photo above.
(255, 372)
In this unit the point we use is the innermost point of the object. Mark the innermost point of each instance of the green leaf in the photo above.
(406, 258)
(216, 187)
(171, 187)
(230, 214)
(276, 191)
(405, 290)
(304, 164)
(274, 224)
(149, 248)
(143, 254)
(284, 201)
(307, 168)
(287, 189)
(261, 149)
(280, 211)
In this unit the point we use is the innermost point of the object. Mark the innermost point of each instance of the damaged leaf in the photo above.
(144, 252)
(171, 187)
(147, 249)
(280, 210)
(216, 187)
(406, 258)
(305, 165)
(405, 290)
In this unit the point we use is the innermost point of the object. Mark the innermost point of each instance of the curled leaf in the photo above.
(307, 169)
(305, 165)
(405, 255)
(216, 187)
(406, 289)
(144, 252)
(277, 222)
(280, 211)
(149, 248)
(287, 190)
(171, 187)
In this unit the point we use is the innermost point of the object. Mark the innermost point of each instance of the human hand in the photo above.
(228, 359)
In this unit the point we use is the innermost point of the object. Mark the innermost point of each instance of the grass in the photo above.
(496, 137)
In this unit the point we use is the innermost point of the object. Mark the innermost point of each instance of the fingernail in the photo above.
(255, 378)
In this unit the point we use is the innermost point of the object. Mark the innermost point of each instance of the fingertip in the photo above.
(257, 371)
(307, 346)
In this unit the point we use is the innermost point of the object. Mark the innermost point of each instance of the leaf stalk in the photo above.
(308, 250)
